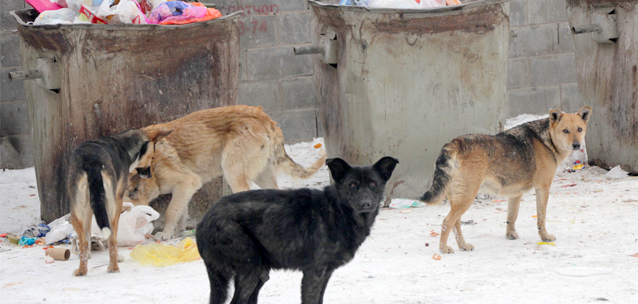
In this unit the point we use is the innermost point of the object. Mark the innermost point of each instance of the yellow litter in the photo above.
(546, 243)
(160, 254)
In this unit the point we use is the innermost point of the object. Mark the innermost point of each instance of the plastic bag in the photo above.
(135, 224)
(400, 203)
(147, 6)
(160, 255)
(76, 5)
(409, 4)
(58, 233)
(61, 16)
(126, 11)
(176, 11)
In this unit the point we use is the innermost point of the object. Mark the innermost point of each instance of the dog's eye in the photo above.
(565, 131)
(373, 185)
(353, 185)
(580, 129)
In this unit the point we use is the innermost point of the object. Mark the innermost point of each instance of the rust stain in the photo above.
(599, 3)
(476, 20)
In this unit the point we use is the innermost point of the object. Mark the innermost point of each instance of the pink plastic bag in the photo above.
(43, 5)
(176, 11)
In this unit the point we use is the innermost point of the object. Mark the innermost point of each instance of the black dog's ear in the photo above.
(585, 113)
(555, 115)
(385, 166)
(338, 168)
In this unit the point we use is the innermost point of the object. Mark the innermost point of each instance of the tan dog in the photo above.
(239, 142)
(509, 164)
(96, 179)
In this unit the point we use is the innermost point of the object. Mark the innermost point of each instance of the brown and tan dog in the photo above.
(508, 164)
(96, 179)
(239, 142)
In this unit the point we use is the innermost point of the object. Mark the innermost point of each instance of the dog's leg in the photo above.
(246, 281)
(113, 266)
(183, 220)
(84, 235)
(313, 285)
(263, 278)
(240, 169)
(512, 213)
(542, 195)
(218, 286)
(267, 179)
(461, 197)
(325, 284)
(460, 241)
(237, 182)
(177, 207)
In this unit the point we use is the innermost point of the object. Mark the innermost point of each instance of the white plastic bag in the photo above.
(61, 16)
(409, 4)
(58, 233)
(406, 4)
(126, 11)
(135, 224)
(432, 3)
(75, 5)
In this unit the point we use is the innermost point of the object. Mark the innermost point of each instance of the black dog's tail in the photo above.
(442, 174)
(97, 196)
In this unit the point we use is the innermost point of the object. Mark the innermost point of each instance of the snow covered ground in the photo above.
(594, 258)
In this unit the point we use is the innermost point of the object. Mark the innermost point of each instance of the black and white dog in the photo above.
(96, 179)
(247, 234)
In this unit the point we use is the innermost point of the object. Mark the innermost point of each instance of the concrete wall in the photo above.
(15, 142)
(542, 69)
(271, 75)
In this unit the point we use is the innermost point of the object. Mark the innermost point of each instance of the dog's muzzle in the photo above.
(144, 172)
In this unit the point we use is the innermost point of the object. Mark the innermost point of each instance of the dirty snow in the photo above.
(592, 217)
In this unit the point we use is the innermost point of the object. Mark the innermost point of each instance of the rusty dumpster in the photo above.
(606, 43)
(404, 82)
(94, 80)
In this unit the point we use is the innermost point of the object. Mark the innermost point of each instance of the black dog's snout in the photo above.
(144, 172)
(576, 146)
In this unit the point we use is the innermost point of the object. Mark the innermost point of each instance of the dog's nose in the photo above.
(366, 204)
(576, 146)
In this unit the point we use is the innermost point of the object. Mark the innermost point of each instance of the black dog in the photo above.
(246, 234)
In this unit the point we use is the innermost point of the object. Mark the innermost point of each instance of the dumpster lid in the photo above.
(437, 10)
(27, 16)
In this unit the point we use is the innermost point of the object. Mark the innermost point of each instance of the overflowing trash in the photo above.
(121, 12)
(160, 255)
(404, 4)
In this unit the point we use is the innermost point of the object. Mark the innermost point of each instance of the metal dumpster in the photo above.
(404, 82)
(606, 40)
(96, 80)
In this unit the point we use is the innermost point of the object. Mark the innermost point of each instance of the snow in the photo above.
(590, 215)
(521, 119)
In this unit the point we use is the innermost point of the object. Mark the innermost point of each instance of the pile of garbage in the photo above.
(134, 228)
(121, 12)
(405, 4)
